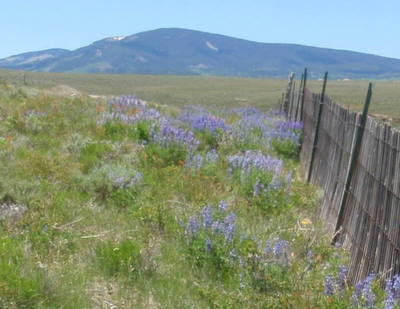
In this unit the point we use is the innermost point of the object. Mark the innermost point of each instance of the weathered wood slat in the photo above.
(372, 210)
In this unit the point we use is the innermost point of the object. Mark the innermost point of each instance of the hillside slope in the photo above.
(188, 52)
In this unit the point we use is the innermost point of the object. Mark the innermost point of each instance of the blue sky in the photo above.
(365, 26)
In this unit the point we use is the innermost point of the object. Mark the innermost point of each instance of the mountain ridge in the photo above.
(189, 52)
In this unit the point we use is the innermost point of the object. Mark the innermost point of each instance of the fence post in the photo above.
(303, 94)
(288, 94)
(354, 156)
(315, 143)
(291, 108)
(299, 96)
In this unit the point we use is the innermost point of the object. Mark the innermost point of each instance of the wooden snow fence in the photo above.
(366, 219)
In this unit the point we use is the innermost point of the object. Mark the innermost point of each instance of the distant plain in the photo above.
(217, 92)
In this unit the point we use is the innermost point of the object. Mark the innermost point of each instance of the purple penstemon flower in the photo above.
(396, 286)
(280, 248)
(392, 291)
(201, 120)
(197, 161)
(130, 110)
(223, 206)
(363, 292)
(268, 248)
(329, 287)
(209, 123)
(207, 216)
(342, 277)
(193, 227)
(275, 184)
(289, 125)
(205, 222)
(229, 231)
(169, 134)
(211, 156)
(255, 159)
(258, 188)
(368, 294)
(357, 292)
(389, 300)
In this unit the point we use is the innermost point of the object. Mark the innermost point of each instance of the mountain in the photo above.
(181, 51)
(33, 61)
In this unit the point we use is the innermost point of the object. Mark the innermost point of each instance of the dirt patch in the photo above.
(63, 91)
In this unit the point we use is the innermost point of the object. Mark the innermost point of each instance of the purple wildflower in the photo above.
(197, 161)
(227, 227)
(126, 101)
(230, 219)
(169, 134)
(368, 294)
(255, 159)
(363, 291)
(223, 206)
(358, 288)
(229, 232)
(129, 110)
(389, 300)
(341, 279)
(280, 248)
(217, 226)
(268, 248)
(209, 123)
(192, 227)
(338, 244)
(392, 291)
(246, 111)
(258, 188)
(287, 130)
(207, 216)
(211, 156)
(122, 177)
(396, 286)
(277, 113)
(329, 285)
(289, 125)
(201, 120)
(275, 184)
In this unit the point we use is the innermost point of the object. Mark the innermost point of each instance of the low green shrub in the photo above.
(139, 132)
(163, 156)
(91, 154)
(287, 148)
(117, 184)
(119, 258)
(209, 140)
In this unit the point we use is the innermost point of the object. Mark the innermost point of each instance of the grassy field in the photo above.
(127, 205)
(211, 91)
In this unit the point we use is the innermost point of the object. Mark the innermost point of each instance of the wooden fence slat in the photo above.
(371, 223)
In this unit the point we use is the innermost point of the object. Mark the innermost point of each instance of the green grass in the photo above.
(85, 242)
(212, 91)
(169, 90)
